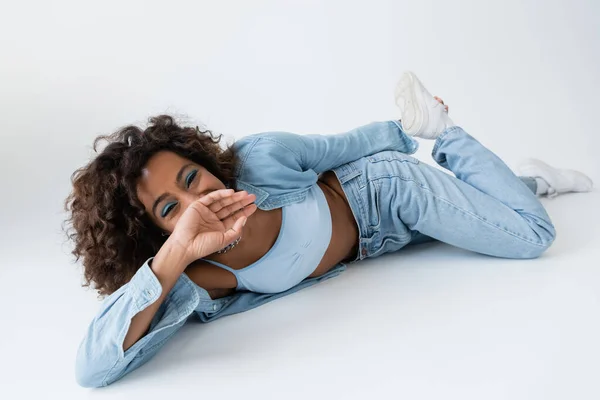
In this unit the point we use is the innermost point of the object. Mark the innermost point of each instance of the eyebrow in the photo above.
(167, 194)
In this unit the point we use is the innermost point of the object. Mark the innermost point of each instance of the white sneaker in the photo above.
(559, 180)
(421, 114)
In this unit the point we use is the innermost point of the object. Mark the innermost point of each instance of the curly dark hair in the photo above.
(107, 222)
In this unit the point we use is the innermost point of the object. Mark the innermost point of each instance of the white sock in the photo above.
(558, 180)
(542, 186)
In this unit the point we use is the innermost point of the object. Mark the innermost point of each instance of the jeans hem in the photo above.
(438, 141)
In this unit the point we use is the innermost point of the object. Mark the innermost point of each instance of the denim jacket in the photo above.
(279, 168)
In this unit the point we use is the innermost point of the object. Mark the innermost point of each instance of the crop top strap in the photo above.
(218, 264)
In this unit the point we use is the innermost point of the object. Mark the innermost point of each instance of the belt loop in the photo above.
(364, 252)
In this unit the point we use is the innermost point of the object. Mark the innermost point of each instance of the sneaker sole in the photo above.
(411, 90)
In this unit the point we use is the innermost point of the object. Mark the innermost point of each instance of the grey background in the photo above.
(428, 323)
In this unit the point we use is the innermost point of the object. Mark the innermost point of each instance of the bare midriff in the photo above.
(261, 232)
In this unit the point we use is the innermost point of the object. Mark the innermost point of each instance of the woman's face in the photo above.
(169, 184)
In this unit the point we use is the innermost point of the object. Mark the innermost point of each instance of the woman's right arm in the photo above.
(167, 265)
(136, 321)
(121, 337)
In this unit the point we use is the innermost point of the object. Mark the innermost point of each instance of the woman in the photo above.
(161, 232)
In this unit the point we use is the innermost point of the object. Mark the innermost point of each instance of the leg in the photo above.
(486, 208)
(418, 237)
(426, 116)
(530, 182)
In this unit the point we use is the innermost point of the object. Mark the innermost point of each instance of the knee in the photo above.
(545, 237)
(534, 251)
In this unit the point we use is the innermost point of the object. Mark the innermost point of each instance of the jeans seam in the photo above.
(462, 210)
(442, 136)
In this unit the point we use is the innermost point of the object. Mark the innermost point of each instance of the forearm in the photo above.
(119, 338)
(168, 264)
(324, 152)
(321, 153)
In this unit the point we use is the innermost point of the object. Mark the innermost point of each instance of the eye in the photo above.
(167, 208)
(190, 177)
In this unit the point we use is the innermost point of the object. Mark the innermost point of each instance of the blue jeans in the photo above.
(485, 207)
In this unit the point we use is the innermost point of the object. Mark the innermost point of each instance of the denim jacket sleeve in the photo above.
(276, 160)
(321, 153)
(100, 358)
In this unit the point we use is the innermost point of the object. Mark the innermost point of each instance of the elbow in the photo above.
(99, 364)
(96, 364)
(87, 380)
(88, 373)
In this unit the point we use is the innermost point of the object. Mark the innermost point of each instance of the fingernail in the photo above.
(246, 220)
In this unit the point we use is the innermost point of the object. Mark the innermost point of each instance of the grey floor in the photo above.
(429, 322)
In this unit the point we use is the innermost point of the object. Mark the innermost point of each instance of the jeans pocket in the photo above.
(388, 244)
(374, 204)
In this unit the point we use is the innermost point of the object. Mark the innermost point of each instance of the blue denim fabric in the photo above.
(530, 182)
(395, 199)
(279, 168)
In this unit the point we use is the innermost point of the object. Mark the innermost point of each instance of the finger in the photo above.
(235, 207)
(215, 196)
(219, 199)
(234, 232)
(231, 203)
(247, 211)
(447, 108)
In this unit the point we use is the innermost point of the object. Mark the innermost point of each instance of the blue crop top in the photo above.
(303, 239)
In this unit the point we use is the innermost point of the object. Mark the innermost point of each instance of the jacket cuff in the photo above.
(408, 144)
(144, 288)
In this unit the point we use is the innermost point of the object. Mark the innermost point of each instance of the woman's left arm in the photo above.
(321, 153)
